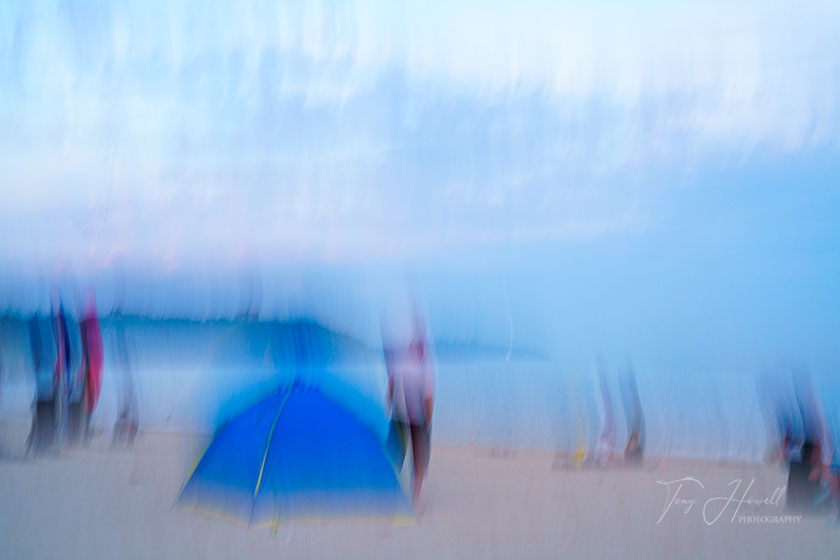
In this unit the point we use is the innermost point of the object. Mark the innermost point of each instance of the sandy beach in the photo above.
(101, 502)
(344, 235)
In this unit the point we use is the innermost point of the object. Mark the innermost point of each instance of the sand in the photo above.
(100, 502)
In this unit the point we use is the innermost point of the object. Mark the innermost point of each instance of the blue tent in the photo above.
(295, 454)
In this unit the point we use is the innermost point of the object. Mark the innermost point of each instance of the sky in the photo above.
(649, 178)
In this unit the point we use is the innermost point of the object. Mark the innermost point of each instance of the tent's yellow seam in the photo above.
(192, 472)
(268, 443)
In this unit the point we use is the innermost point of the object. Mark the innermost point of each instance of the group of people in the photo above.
(409, 361)
(596, 437)
(67, 359)
(797, 428)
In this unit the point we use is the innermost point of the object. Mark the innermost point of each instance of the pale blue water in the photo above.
(192, 377)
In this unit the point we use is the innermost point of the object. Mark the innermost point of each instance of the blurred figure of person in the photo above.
(634, 450)
(833, 483)
(809, 474)
(73, 363)
(39, 345)
(49, 346)
(84, 394)
(606, 443)
(833, 474)
(581, 450)
(71, 353)
(587, 421)
(125, 428)
(798, 439)
(411, 386)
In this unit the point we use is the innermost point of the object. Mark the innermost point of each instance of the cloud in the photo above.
(366, 128)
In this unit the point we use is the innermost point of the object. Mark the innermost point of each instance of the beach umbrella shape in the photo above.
(296, 454)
